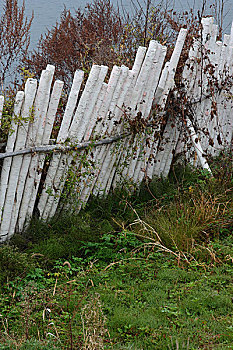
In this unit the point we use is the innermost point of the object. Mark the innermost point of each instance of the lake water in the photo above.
(46, 12)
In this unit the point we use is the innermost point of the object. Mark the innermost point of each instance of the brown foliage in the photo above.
(77, 41)
(14, 36)
(99, 35)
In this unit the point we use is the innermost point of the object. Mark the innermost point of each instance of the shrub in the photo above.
(13, 263)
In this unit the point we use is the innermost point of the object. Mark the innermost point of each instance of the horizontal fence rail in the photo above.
(109, 134)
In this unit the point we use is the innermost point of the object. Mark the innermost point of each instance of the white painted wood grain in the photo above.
(136, 105)
(197, 146)
(87, 182)
(78, 127)
(1, 108)
(62, 136)
(141, 165)
(165, 85)
(20, 142)
(114, 110)
(9, 148)
(49, 121)
(30, 164)
(101, 127)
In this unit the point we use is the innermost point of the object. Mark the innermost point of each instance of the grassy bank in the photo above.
(150, 271)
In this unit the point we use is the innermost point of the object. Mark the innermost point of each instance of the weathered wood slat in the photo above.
(35, 136)
(59, 176)
(10, 147)
(61, 138)
(20, 142)
(87, 181)
(165, 85)
(114, 109)
(78, 126)
(49, 121)
(109, 166)
(123, 99)
(136, 104)
(140, 57)
(101, 127)
(152, 86)
(1, 108)
(164, 155)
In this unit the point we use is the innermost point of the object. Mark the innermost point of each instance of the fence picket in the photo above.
(165, 85)
(78, 127)
(87, 190)
(20, 142)
(136, 104)
(48, 189)
(1, 108)
(140, 166)
(50, 117)
(116, 110)
(100, 127)
(9, 147)
(35, 136)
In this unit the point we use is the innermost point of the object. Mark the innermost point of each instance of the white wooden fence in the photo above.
(93, 120)
(214, 127)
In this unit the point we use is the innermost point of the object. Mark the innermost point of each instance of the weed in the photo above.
(13, 263)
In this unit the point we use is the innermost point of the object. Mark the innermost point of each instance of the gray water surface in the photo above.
(47, 12)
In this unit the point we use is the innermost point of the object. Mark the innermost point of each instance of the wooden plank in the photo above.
(169, 148)
(87, 176)
(136, 104)
(104, 128)
(139, 59)
(171, 152)
(164, 149)
(214, 52)
(86, 182)
(34, 137)
(9, 147)
(152, 86)
(82, 126)
(121, 90)
(166, 83)
(78, 127)
(1, 108)
(218, 53)
(48, 189)
(192, 82)
(50, 117)
(231, 37)
(197, 146)
(20, 142)
(100, 129)
(112, 110)
(227, 112)
(114, 151)
(71, 105)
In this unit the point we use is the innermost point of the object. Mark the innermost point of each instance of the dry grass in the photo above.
(193, 215)
(95, 331)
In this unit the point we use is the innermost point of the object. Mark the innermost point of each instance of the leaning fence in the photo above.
(114, 130)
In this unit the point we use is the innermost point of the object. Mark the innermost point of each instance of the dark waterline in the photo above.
(47, 12)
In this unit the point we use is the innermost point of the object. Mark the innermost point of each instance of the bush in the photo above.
(13, 263)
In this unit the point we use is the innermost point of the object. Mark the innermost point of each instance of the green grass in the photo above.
(149, 300)
(102, 277)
